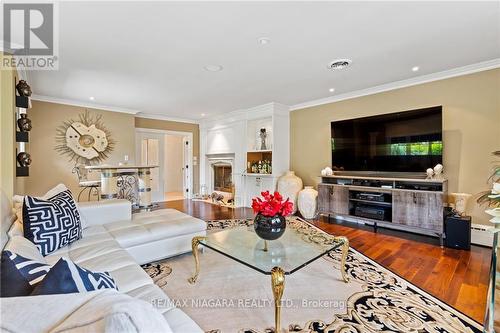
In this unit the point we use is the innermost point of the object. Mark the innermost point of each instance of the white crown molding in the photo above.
(56, 100)
(256, 112)
(459, 71)
(166, 118)
(136, 113)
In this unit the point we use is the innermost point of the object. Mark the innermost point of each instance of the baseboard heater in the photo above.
(481, 235)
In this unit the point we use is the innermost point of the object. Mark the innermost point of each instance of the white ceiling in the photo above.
(149, 56)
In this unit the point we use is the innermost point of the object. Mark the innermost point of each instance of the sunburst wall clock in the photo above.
(85, 139)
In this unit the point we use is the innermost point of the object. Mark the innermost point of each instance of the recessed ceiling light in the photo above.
(264, 40)
(91, 98)
(213, 68)
(203, 115)
(331, 89)
(415, 68)
(339, 64)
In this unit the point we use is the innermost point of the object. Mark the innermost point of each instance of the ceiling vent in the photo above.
(339, 64)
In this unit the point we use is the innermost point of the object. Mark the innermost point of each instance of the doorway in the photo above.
(172, 152)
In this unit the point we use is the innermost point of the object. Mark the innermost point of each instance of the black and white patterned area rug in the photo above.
(229, 297)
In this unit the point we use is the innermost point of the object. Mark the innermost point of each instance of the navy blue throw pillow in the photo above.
(53, 223)
(65, 277)
(19, 275)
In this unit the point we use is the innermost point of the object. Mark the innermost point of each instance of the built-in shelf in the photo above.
(371, 202)
(22, 102)
(256, 156)
(260, 151)
(22, 171)
(258, 174)
(22, 137)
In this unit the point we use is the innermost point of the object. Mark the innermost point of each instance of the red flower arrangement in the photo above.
(272, 205)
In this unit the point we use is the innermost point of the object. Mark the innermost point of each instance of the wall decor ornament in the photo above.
(327, 172)
(430, 173)
(307, 202)
(24, 159)
(289, 185)
(438, 171)
(86, 139)
(23, 88)
(263, 136)
(24, 123)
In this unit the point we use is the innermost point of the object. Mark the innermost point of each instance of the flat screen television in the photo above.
(409, 141)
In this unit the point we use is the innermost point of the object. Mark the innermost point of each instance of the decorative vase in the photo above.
(24, 123)
(24, 159)
(307, 202)
(289, 185)
(461, 202)
(269, 227)
(23, 88)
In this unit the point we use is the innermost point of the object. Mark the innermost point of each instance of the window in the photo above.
(416, 148)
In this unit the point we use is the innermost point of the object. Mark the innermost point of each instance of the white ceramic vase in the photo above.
(307, 202)
(289, 186)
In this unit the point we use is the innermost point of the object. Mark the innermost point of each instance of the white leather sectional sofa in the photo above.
(116, 241)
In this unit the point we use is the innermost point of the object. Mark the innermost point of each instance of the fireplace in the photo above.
(223, 177)
(220, 176)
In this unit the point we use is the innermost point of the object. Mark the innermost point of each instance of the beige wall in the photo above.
(50, 168)
(174, 158)
(471, 128)
(7, 130)
(181, 127)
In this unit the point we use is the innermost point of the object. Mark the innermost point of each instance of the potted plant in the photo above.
(491, 198)
(271, 210)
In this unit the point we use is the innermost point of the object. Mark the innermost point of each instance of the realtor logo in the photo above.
(29, 33)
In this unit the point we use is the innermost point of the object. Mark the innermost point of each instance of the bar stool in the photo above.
(92, 186)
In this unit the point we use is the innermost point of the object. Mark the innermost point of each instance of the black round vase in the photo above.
(269, 227)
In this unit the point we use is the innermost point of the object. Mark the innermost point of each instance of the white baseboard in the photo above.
(481, 235)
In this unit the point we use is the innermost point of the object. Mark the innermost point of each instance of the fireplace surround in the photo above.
(221, 167)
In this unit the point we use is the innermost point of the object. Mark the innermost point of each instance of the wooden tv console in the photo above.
(410, 204)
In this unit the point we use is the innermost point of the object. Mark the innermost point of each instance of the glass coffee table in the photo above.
(300, 245)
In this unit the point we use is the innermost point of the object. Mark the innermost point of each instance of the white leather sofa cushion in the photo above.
(109, 257)
(6, 218)
(24, 248)
(94, 230)
(105, 211)
(152, 226)
(16, 229)
(96, 311)
(180, 322)
(152, 294)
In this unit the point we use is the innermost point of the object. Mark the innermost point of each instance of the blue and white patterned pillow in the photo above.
(32, 270)
(19, 275)
(53, 223)
(66, 277)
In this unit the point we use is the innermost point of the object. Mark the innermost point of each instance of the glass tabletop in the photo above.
(300, 245)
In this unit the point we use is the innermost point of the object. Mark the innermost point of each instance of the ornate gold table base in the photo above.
(345, 252)
(277, 274)
(278, 285)
(194, 246)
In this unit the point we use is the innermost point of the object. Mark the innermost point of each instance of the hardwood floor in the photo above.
(206, 211)
(457, 277)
